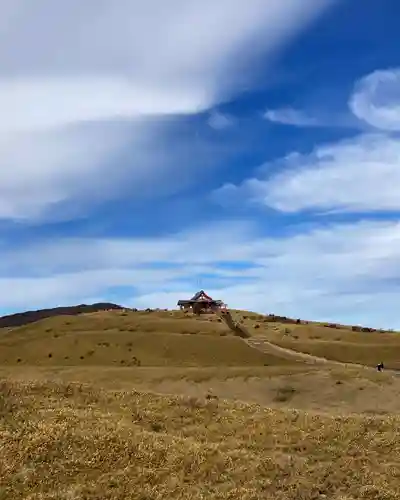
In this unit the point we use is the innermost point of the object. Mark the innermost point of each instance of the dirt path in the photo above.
(264, 345)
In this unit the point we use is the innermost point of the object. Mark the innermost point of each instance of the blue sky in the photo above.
(249, 147)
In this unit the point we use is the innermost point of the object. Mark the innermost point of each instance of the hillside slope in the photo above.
(128, 338)
(102, 337)
(93, 444)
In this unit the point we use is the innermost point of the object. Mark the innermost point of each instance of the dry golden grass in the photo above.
(88, 422)
(173, 338)
(368, 354)
(68, 441)
(344, 390)
(131, 349)
(129, 339)
(338, 344)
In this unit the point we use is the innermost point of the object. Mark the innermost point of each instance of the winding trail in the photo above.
(264, 345)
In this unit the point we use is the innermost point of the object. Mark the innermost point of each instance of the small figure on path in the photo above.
(380, 367)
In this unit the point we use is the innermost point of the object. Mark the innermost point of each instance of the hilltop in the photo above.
(248, 406)
(23, 318)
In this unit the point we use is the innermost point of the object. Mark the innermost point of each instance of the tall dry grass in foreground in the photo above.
(68, 441)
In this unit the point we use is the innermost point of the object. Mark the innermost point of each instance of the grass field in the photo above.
(148, 405)
(338, 344)
(65, 441)
(128, 339)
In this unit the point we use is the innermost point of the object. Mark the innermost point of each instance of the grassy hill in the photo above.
(335, 342)
(129, 339)
(174, 338)
(121, 404)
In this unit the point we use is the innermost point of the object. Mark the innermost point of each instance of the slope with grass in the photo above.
(174, 338)
(129, 339)
(69, 441)
(126, 405)
(335, 342)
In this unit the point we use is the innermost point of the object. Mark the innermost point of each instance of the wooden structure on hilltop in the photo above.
(201, 303)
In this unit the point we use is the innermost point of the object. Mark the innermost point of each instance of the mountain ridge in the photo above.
(27, 317)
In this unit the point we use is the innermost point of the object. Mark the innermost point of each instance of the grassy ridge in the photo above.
(172, 338)
(129, 339)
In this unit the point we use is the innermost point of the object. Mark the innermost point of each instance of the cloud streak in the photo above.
(291, 116)
(355, 175)
(123, 61)
(360, 174)
(334, 273)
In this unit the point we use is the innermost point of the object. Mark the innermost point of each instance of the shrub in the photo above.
(284, 393)
(157, 426)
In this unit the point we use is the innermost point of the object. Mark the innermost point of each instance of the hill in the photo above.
(129, 338)
(124, 404)
(18, 319)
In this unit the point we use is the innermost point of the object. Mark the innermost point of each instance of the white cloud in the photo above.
(45, 170)
(347, 273)
(291, 116)
(117, 61)
(41, 103)
(360, 174)
(357, 175)
(220, 121)
(376, 99)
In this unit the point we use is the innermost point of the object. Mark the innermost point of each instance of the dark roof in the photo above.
(200, 297)
(197, 295)
(182, 302)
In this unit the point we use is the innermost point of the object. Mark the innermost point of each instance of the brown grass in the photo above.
(146, 349)
(107, 333)
(368, 354)
(71, 441)
(344, 391)
(338, 344)
(81, 419)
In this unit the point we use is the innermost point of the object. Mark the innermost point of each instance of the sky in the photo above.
(250, 148)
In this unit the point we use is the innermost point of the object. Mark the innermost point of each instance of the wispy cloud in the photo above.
(220, 121)
(123, 61)
(333, 273)
(291, 116)
(360, 174)
(356, 175)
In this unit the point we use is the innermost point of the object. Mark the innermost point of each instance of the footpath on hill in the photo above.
(263, 344)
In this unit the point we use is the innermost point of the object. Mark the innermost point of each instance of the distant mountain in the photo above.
(19, 319)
